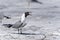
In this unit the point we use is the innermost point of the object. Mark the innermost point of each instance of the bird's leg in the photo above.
(18, 30)
(21, 30)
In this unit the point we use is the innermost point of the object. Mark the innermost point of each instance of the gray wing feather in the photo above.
(17, 24)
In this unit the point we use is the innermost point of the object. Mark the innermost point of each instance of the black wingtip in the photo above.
(7, 25)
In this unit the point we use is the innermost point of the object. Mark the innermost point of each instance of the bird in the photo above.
(32, 1)
(36, 1)
(19, 24)
(7, 17)
(2, 16)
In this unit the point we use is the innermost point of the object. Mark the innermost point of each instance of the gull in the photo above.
(36, 1)
(32, 1)
(2, 16)
(19, 24)
(7, 17)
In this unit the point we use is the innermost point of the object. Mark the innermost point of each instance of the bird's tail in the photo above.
(7, 25)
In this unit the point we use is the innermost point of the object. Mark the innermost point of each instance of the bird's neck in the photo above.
(23, 18)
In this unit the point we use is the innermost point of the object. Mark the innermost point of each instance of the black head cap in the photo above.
(26, 14)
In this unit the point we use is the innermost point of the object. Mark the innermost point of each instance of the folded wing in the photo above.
(8, 25)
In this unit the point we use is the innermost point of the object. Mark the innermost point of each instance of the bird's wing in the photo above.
(24, 24)
(17, 24)
(8, 25)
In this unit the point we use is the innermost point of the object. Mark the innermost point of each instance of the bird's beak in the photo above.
(30, 13)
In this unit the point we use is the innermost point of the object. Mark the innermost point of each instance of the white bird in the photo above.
(19, 24)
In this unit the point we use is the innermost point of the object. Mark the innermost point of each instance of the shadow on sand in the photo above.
(27, 33)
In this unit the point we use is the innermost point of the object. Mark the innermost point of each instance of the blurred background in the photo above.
(45, 17)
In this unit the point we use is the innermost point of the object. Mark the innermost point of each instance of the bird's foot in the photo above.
(20, 33)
